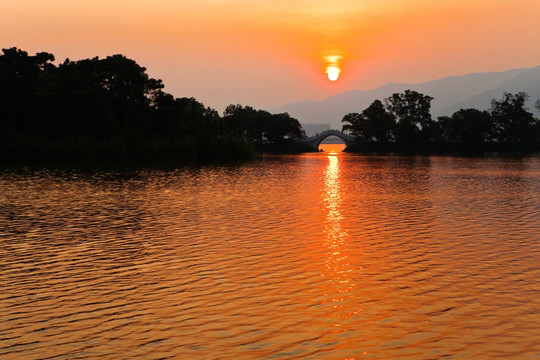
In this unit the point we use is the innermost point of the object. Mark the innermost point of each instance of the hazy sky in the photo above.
(266, 53)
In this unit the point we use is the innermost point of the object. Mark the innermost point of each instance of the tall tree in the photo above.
(466, 126)
(250, 120)
(374, 124)
(95, 108)
(283, 127)
(412, 112)
(352, 124)
(512, 122)
(27, 84)
(262, 127)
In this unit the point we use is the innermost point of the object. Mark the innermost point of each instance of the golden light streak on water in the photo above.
(339, 265)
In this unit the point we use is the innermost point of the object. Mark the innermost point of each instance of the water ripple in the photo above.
(291, 257)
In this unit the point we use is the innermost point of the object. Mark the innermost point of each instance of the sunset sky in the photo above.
(266, 53)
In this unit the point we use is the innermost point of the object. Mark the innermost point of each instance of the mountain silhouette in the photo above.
(450, 94)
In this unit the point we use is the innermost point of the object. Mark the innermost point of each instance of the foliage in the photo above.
(466, 126)
(374, 124)
(413, 119)
(261, 127)
(99, 109)
(511, 121)
(405, 120)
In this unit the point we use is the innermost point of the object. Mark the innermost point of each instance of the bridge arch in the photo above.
(315, 141)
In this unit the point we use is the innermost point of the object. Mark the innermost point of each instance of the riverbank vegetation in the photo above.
(403, 123)
(111, 110)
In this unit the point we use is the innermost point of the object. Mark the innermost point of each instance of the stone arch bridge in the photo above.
(315, 141)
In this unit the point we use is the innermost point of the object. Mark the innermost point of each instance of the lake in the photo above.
(287, 257)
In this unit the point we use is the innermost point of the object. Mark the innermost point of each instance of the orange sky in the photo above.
(266, 53)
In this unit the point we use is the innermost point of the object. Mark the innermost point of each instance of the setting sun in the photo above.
(332, 67)
(333, 73)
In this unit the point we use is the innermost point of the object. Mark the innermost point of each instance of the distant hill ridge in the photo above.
(450, 94)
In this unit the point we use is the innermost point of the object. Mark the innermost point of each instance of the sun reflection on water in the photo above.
(338, 267)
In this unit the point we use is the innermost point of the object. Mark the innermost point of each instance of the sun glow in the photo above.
(333, 73)
(332, 149)
(332, 68)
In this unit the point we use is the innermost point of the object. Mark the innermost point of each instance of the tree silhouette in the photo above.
(26, 90)
(282, 127)
(374, 124)
(512, 122)
(412, 112)
(466, 126)
(263, 127)
(102, 108)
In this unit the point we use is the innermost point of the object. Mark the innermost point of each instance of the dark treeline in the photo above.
(403, 122)
(110, 109)
(268, 132)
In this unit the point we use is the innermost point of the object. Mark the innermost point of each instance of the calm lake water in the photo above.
(288, 257)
